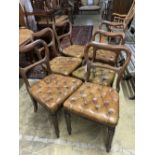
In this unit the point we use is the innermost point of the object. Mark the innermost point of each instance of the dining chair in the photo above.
(59, 63)
(95, 102)
(75, 50)
(107, 56)
(51, 91)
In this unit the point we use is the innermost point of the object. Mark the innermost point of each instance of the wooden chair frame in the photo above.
(51, 45)
(66, 35)
(119, 71)
(42, 61)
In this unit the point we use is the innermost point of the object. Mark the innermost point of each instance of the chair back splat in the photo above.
(45, 60)
(67, 34)
(115, 48)
(48, 36)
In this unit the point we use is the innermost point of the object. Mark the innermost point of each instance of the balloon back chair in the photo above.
(97, 102)
(59, 64)
(51, 91)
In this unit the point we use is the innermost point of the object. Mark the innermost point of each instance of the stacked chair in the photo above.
(89, 89)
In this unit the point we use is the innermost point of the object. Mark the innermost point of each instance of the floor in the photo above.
(37, 136)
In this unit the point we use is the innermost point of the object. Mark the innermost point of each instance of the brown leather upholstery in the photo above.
(25, 36)
(74, 51)
(64, 65)
(97, 75)
(95, 102)
(53, 90)
(106, 56)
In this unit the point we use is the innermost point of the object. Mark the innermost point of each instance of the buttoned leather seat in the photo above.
(96, 102)
(106, 56)
(64, 65)
(53, 90)
(97, 75)
(74, 51)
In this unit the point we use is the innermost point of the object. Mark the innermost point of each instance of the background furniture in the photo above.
(89, 5)
(22, 18)
(120, 22)
(118, 6)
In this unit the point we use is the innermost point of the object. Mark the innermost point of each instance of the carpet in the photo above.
(80, 35)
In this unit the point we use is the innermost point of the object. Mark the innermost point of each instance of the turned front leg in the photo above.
(55, 123)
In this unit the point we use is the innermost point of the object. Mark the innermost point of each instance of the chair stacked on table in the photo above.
(81, 79)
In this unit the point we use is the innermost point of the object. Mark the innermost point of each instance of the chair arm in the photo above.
(110, 34)
(119, 15)
(69, 32)
(108, 23)
(43, 32)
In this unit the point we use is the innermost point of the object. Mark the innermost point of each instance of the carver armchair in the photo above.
(120, 22)
(51, 91)
(96, 102)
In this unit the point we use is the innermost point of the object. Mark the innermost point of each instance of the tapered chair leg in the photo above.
(55, 123)
(68, 122)
(35, 104)
(109, 139)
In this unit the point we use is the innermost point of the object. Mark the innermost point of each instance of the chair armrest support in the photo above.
(108, 23)
(119, 15)
(110, 34)
(68, 33)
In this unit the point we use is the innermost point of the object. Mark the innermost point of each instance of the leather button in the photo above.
(106, 103)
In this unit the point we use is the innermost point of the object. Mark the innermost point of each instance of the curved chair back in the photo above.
(42, 61)
(130, 15)
(115, 48)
